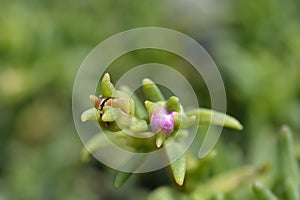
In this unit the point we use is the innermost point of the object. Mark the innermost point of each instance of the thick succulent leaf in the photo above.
(109, 115)
(288, 166)
(131, 166)
(207, 116)
(262, 192)
(121, 178)
(107, 88)
(173, 105)
(178, 168)
(149, 105)
(160, 139)
(90, 114)
(151, 91)
(183, 121)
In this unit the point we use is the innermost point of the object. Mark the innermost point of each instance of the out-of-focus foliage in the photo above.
(255, 44)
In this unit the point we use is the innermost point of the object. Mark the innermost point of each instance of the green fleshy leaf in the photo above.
(109, 114)
(160, 139)
(173, 105)
(107, 88)
(287, 164)
(151, 91)
(130, 166)
(183, 121)
(262, 193)
(178, 168)
(207, 116)
(149, 105)
(140, 111)
(121, 178)
(90, 114)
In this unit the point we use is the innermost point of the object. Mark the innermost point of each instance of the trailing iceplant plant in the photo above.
(121, 115)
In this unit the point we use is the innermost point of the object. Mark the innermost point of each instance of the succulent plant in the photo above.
(120, 111)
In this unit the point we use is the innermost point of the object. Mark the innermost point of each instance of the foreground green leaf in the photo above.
(207, 116)
(121, 178)
(90, 114)
(178, 168)
(172, 104)
(130, 166)
(288, 166)
(107, 88)
(151, 91)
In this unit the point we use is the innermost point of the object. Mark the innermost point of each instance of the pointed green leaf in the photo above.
(107, 88)
(173, 104)
(287, 164)
(109, 114)
(121, 178)
(207, 116)
(151, 91)
(90, 114)
(182, 121)
(160, 139)
(149, 105)
(262, 193)
(178, 168)
(129, 167)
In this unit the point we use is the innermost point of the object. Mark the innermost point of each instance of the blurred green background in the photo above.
(255, 44)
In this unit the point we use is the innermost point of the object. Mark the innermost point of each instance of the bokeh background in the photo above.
(255, 44)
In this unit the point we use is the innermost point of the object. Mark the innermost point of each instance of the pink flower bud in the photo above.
(162, 121)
